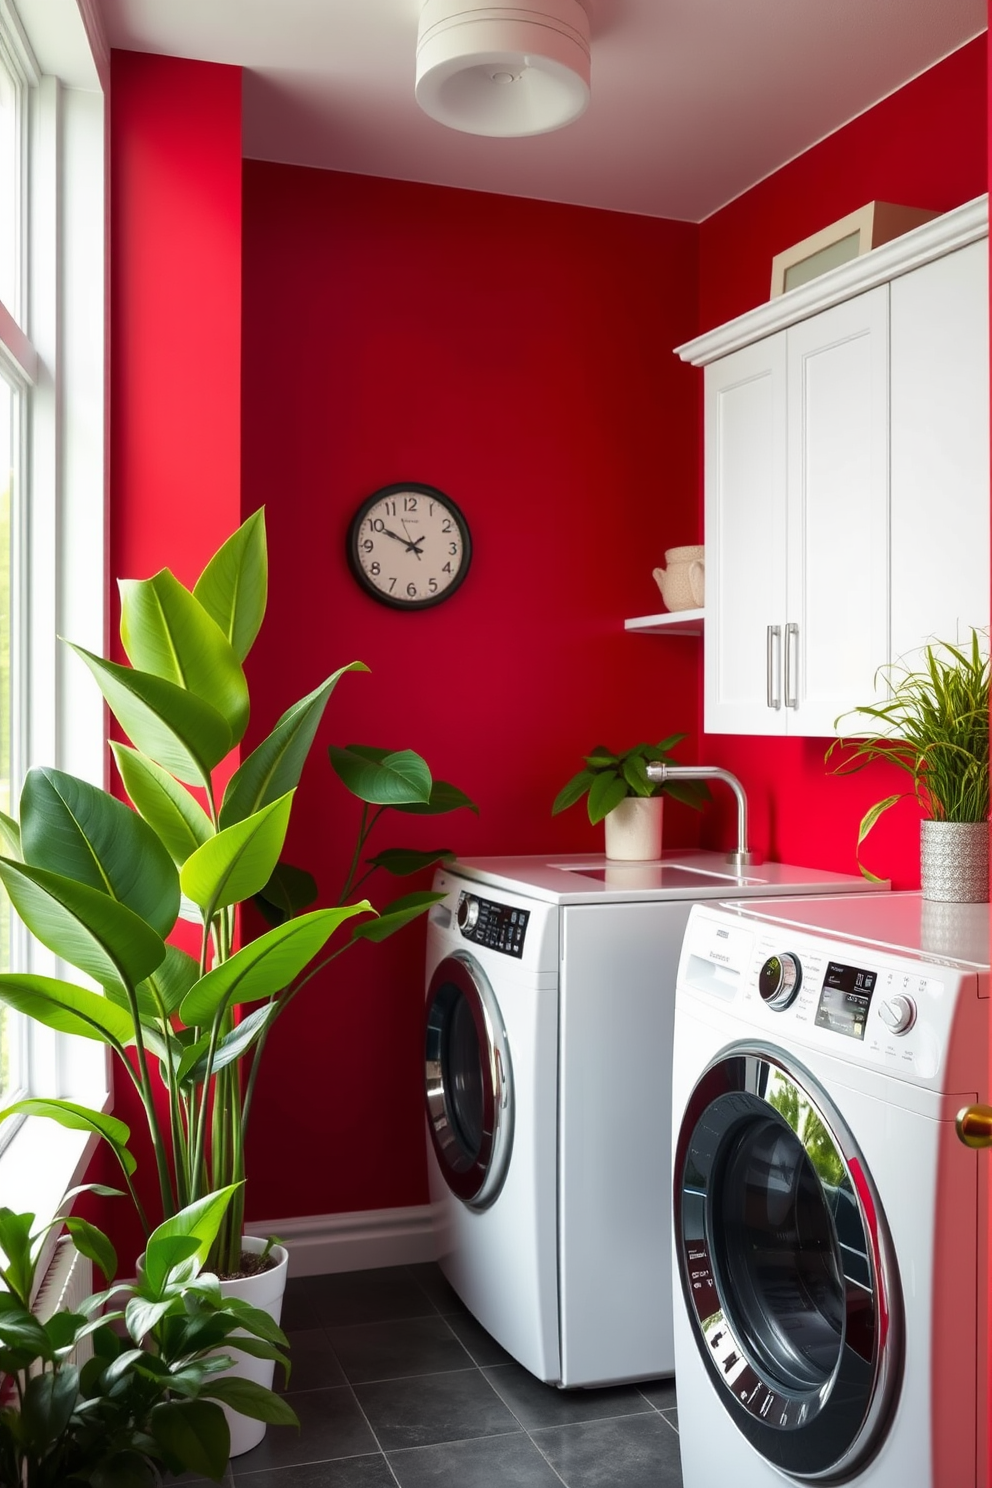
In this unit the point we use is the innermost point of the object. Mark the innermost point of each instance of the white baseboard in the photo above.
(322, 1243)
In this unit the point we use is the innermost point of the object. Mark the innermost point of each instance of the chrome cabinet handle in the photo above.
(773, 690)
(791, 700)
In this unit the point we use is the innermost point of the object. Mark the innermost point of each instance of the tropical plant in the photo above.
(150, 1396)
(935, 727)
(610, 778)
(102, 885)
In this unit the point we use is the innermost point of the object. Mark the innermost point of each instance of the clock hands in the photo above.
(411, 547)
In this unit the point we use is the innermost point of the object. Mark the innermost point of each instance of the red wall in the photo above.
(924, 146)
(515, 354)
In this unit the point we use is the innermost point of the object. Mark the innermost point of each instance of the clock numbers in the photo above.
(409, 546)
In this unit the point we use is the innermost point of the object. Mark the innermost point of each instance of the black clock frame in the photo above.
(400, 488)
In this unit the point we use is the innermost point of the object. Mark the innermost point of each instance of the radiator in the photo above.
(66, 1284)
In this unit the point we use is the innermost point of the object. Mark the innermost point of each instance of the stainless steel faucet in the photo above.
(659, 772)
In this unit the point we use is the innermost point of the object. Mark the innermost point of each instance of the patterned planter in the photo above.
(633, 829)
(954, 861)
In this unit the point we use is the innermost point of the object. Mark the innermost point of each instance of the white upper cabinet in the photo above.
(847, 481)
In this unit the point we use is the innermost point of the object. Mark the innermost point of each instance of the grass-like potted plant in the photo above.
(103, 885)
(619, 792)
(150, 1397)
(935, 727)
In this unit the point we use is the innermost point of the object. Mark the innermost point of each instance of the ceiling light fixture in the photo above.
(503, 70)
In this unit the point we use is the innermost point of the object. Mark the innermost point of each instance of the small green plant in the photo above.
(150, 1396)
(935, 727)
(609, 778)
(102, 885)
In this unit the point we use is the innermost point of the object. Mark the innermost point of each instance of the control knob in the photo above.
(898, 1013)
(779, 980)
(468, 913)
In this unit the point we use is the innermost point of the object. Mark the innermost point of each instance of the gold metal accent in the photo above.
(974, 1126)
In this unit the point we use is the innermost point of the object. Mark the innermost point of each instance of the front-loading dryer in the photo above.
(830, 1229)
(548, 1053)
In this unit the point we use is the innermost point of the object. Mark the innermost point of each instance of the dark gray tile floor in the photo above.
(397, 1386)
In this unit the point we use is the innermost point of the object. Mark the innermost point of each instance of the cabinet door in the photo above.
(745, 539)
(940, 452)
(837, 565)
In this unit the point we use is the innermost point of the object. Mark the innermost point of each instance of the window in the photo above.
(51, 504)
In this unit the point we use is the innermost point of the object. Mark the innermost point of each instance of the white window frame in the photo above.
(54, 352)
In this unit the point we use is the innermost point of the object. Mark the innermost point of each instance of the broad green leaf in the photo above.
(288, 891)
(78, 1118)
(395, 915)
(173, 814)
(444, 797)
(606, 792)
(634, 772)
(168, 633)
(381, 777)
(265, 965)
(63, 1329)
(201, 1219)
(402, 861)
(162, 1254)
(251, 1399)
(173, 727)
(93, 1244)
(143, 1313)
(573, 790)
(239, 860)
(85, 927)
(168, 983)
(257, 1321)
(16, 1259)
(19, 1329)
(71, 827)
(275, 766)
(10, 837)
(232, 1046)
(47, 1405)
(66, 1008)
(195, 1432)
(233, 586)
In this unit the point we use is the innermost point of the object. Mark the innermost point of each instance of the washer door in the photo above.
(468, 1081)
(786, 1266)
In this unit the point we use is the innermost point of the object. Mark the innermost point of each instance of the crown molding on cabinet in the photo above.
(953, 229)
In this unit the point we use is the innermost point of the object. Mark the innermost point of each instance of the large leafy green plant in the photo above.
(609, 778)
(935, 727)
(103, 885)
(148, 1397)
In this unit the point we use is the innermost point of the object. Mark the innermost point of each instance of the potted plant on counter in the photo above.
(148, 1397)
(619, 792)
(102, 885)
(935, 727)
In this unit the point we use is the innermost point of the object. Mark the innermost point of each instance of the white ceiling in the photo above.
(693, 101)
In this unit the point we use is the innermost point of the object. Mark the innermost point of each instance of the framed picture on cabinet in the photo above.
(849, 237)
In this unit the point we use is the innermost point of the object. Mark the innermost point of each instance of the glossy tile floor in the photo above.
(396, 1384)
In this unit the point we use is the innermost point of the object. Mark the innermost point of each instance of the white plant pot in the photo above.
(264, 1291)
(633, 829)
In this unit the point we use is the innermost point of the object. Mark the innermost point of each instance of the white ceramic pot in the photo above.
(633, 829)
(264, 1291)
(954, 861)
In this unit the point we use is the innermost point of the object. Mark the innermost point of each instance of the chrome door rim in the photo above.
(475, 1177)
(820, 1432)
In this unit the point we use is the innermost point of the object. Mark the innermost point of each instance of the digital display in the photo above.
(845, 999)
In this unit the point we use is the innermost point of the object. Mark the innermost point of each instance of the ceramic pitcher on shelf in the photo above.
(682, 582)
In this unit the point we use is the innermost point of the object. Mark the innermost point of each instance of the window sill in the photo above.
(42, 1160)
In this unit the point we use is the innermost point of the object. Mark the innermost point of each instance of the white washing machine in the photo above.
(550, 1005)
(830, 1228)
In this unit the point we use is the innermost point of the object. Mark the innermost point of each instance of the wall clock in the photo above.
(409, 546)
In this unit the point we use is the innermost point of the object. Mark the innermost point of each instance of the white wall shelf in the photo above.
(679, 622)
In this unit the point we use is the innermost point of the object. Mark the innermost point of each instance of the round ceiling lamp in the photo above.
(503, 70)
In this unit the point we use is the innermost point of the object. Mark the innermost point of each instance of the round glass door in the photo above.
(785, 1265)
(468, 1081)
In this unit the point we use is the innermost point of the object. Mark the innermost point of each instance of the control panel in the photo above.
(870, 1006)
(498, 927)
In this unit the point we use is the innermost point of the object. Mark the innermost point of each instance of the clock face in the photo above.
(409, 546)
